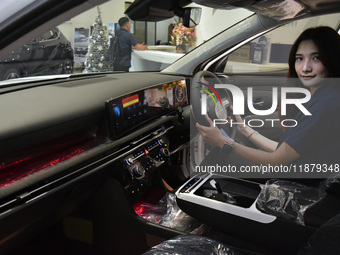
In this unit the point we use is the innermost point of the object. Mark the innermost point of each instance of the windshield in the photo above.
(86, 43)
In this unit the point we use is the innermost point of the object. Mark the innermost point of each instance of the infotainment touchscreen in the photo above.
(129, 111)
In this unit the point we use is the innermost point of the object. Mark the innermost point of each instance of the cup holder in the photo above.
(227, 195)
(233, 191)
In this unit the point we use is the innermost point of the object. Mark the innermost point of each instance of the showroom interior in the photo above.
(157, 35)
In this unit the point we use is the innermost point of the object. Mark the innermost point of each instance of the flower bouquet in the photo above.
(182, 35)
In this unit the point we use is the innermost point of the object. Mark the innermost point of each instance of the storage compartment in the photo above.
(229, 204)
(233, 191)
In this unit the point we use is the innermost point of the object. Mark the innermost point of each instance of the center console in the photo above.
(229, 196)
(230, 205)
(138, 110)
(139, 160)
(147, 157)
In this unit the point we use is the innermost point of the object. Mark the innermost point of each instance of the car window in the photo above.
(81, 44)
(269, 52)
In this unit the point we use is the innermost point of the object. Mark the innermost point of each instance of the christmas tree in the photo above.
(96, 59)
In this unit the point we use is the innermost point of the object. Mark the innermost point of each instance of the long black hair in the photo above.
(327, 40)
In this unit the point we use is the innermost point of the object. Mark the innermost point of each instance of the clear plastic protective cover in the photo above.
(288, 199)
(167, 213)
(191, 244)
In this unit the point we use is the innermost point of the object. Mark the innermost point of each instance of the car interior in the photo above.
(104, 163)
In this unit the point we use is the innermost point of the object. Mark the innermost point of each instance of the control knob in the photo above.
(165, 152)
(138, 171)
(129, 161)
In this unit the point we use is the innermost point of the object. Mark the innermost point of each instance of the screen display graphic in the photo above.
(126, 113)
(130, 101)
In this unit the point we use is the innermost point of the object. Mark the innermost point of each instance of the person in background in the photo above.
(180, 48)
(127, 42)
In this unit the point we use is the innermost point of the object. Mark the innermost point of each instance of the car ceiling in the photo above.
(310, 5)
(155, 10)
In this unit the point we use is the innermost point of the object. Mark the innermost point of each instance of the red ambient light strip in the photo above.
(13, 172)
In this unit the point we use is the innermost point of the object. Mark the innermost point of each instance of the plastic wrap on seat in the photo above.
(288, 199)
(167, 213)
(191, 244)
(325, 240)
(332, 186)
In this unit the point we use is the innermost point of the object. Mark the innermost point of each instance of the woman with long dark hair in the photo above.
(327, 42)
(314, 59)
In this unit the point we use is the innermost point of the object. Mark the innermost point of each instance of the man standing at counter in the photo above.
(127, 42)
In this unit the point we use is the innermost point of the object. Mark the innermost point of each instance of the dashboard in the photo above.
(65, 127)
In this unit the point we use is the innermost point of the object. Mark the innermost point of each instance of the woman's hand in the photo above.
(241, 128)
(211, 135)
(253, 136)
